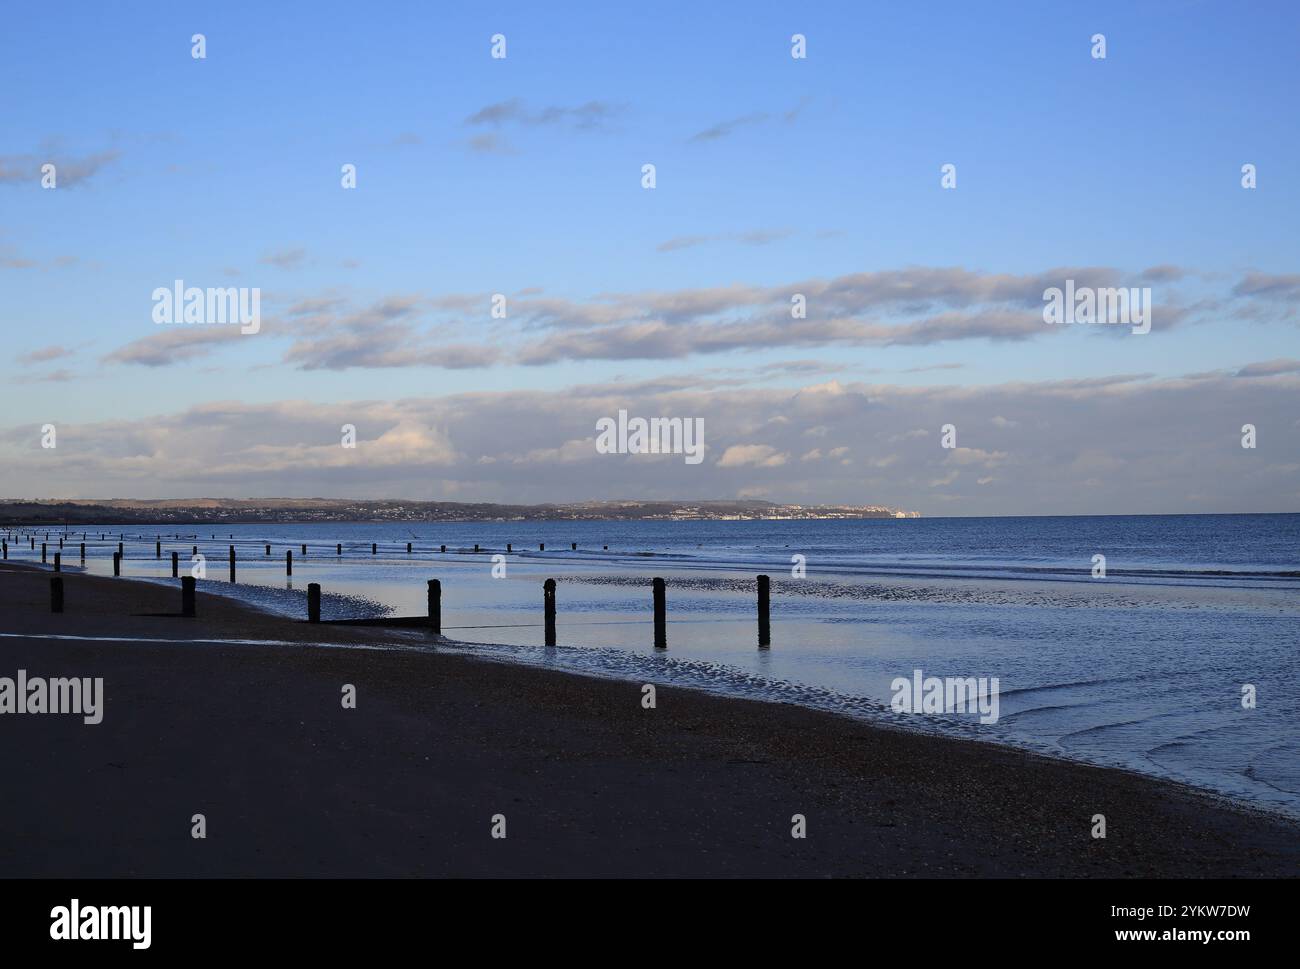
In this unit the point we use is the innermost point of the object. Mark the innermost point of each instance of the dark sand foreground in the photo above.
(590, 783)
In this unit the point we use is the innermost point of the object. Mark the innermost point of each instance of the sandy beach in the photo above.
(590, 783)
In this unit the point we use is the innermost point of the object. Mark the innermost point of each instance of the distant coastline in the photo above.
(302, 510)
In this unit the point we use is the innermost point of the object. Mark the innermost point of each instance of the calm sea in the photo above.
(1145, 668)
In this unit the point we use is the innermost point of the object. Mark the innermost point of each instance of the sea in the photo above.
(1167, 645)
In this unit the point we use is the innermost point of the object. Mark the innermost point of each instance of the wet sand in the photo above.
(590, 783)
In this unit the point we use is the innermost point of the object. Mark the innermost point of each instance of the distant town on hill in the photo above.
(190, 510)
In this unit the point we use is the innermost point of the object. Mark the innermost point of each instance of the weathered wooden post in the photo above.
(117, 563)
(661, 616)
(83, 553)
(58, 561)
(476, 546)
(42, 553)
(304, 551)
(548, 601)
(56, 594)
(338, 549)
(6, 547)
(232, 563)
(435, 606)
(288, 561)
(573, 546)
(187, 595)
(408, 548)
(268, 550)
(374, 548)
(157, 549)
(509, 547)
(176, 564)
(313, 602)
(442, 548)
(764, 624)
(541, 546)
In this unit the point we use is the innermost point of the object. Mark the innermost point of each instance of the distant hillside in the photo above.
(194, 510)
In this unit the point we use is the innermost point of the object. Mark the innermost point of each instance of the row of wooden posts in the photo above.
(435, 605)
(288, 555)
(338, 547)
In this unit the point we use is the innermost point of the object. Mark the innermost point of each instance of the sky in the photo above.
(522, 176)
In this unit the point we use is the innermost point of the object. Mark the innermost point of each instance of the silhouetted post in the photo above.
(194, 550)
(313, 602)
(573, 546)
(442, 548)
(509, 547)
(42, 553)
(117, 563)
(83, 553)
(764, 623)
(60, 541)
(187, 595)
(121, 553)
(58, 561)
(6, 544)
(232, 563)
(548, 600)
(288, 561)
(304, 551)
(476, 546)
(374, 549)
(338, 549)
(541, 546)
(661, 616)
(268, 550)
(33, 544)
(435, 606)
(56, 594)
(408, 548)
(157, 549)
(176, 564)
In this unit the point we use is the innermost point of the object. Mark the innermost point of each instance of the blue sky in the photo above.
(771, 172)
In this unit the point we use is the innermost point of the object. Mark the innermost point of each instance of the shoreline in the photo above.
(702, 785)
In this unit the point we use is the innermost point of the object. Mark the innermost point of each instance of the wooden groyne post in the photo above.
(435, 606)
(764, 619)
(232, 563)
(548, 601)
(58, 561)
(313, 602)
(288, 561)
(176, 564)
(661, 615)
(157, 549)
(117, 563)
